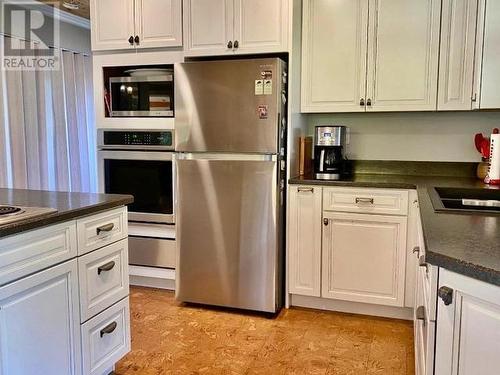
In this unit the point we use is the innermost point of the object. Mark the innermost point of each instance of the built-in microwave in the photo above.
(149, 94)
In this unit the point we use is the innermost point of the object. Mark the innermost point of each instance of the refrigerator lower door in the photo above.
(227, 232)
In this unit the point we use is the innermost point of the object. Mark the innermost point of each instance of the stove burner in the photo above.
(8, 210)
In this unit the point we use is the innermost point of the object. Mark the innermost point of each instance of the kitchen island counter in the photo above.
(68, 206)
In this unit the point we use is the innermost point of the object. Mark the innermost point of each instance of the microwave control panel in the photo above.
(138, 138)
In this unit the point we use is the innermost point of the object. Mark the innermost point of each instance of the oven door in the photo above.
(147, 175)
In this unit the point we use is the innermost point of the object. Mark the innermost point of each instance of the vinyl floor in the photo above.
(173, 338)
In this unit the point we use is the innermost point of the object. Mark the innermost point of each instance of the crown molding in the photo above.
(62, 15)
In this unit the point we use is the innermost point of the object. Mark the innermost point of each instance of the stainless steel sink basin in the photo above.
(462, 200)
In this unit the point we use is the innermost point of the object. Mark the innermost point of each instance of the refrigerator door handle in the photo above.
(212, 156)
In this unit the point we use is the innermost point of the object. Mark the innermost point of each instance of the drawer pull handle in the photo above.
(305, 190)
(420, 313)
(365, 200)
(446, 294)
(108, 329)
(422, 262)
(106, 267)
(105, 228)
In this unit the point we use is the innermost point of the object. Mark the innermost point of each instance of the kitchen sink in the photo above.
(463, 200)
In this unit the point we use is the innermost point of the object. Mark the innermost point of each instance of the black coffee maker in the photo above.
(329, 148)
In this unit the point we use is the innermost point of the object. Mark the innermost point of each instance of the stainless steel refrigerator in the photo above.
(230, 121)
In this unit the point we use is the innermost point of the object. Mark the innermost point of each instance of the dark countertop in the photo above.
(463, 243)
(68, 206)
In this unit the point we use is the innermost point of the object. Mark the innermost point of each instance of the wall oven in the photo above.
(141, 163)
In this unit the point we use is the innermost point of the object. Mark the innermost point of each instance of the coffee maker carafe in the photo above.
(329, 147)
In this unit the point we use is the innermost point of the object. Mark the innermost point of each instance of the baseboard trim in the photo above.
(351, 307)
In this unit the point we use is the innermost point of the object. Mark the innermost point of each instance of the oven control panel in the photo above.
(163, 139)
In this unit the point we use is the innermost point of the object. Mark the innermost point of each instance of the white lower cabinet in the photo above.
(304, 238)
(71, 315)
(468, 326)
(341, 247)
(364, 258)
(106, 338)
(40, 323)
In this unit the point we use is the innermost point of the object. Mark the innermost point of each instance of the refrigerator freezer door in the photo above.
(228, 106)
(227, 232)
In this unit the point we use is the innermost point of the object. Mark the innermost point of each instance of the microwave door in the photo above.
(142, 96)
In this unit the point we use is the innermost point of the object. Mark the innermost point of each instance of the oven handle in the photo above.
(135, 155)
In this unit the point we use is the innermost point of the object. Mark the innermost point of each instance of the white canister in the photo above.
(494, 170)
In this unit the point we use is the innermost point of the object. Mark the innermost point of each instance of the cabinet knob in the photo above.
(369, 102)
(136, 39)
(362, 102)
(326, 221)
(416, 250)
(131, 39)
(446, 294)
(230, 45)
(236, 44)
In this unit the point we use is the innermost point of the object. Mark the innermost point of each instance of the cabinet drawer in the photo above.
(102, 229)
(363, 200)
(103, 278)
(106, 338)
(29, 252)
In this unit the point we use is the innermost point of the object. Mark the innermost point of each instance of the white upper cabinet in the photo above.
(126, 24)
(334, 55)
(159, 23)
(370, 55)
(113, 24)
(260, 26)
(208, 26)
(403, 52)
(304, 240)
(457, 63)
(220, 27)
(490, 76)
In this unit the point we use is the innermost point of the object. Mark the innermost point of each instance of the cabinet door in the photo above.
(260, 26)
(304, 241)
(364, 258)
(468, 329)
(456, 61)
(208, 27)
(112, 24)
(334, 44)
(40, 323)
(403, 55)
(159, 23)
(490, 81)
